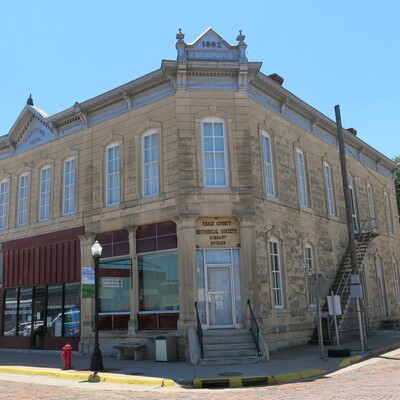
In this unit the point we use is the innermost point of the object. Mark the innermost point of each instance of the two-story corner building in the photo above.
(206, 182)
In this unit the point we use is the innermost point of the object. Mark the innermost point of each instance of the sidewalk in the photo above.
(284, 366)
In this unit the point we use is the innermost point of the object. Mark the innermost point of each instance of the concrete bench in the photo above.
(129, 350)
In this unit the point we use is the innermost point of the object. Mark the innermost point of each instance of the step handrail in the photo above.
(199, 330)
(253, 323)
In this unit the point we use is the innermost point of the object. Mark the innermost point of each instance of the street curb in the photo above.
(90, 377)
(235, 382)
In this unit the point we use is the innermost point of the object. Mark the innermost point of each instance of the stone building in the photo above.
(206, 182)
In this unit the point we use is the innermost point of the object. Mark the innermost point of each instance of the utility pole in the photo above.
(349, 216)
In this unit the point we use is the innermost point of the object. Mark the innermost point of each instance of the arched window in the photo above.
(69, 188)
(150, 181)
(330, 200)
(23, 194)
(268, 167)
(4, 188)
(388, 212)
(371, 206)
(301, 178)
(113, 180)
(45, 193)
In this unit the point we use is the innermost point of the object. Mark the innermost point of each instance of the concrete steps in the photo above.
(228, 347)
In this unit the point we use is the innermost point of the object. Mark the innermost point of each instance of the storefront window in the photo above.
(72, 313)
(25, 312)
(158, 281)
(114, 286)
(54, 310)
(10, 312)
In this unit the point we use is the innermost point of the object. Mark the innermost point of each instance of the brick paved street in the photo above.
(377, 378)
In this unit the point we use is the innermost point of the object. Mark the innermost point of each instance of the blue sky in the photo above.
(344, 52)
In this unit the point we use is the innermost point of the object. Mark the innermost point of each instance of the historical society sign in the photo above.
(217, 232)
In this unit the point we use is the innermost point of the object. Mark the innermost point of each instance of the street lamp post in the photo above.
(96, 362)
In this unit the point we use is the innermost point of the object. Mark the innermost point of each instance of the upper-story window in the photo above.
(3, 203)
(268, 168)
(371, 206)
(276, 273)
(388, 212)
(113, 182)
(214, 154)
(330, 200)
(302, 178)
(69, 202)
(353, 203)
(23, 192)
(45, 193)
(150, 163)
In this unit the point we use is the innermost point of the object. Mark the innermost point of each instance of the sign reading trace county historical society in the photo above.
(217, 232)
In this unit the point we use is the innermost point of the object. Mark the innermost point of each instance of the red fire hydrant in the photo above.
(66, 355)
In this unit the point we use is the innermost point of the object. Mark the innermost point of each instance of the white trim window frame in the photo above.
(4, 187)
(310, 268)
(113, 174)
(301, 178)
(330, 199)
(23, 191)
(268, 167)
(371, 206)
(69, 189)
(388, 214)
(354, 211)
(396, 279)
(276, 273)
(45, 193)
(215, 160)
(150, 158)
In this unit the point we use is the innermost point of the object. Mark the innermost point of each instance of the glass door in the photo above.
(219, 296)
(39, 311)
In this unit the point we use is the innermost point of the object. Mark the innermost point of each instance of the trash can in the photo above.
(166, 349)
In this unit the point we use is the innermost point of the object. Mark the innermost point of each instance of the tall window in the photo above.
(276, 273)
(310, 269)
(396, 279)
(330, 202)
(268, 165)
(69, 186)
(371, 206)
(113, 174)
(388, 213)
(353, 204)
(45, 193)
(150, 164)
(301, 178)
(214, 153)
(22, 218)
(3, 204)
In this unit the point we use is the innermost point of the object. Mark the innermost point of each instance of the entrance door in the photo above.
(381, 287)
(38, 326)
(220, 305)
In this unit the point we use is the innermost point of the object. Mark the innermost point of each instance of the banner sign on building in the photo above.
(87, 282)
(220, 232)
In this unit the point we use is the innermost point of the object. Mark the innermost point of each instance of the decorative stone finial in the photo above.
(180, 47)
(240, 38)
(180, 35)
(30, 100)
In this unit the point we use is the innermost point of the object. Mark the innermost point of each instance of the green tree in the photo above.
(397, 183)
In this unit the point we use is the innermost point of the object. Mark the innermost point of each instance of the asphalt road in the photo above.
(376, 378)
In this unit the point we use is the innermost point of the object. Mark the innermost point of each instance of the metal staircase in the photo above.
(341, 283)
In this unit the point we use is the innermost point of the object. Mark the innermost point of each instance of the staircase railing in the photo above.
(254, 329)
(199, 330)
